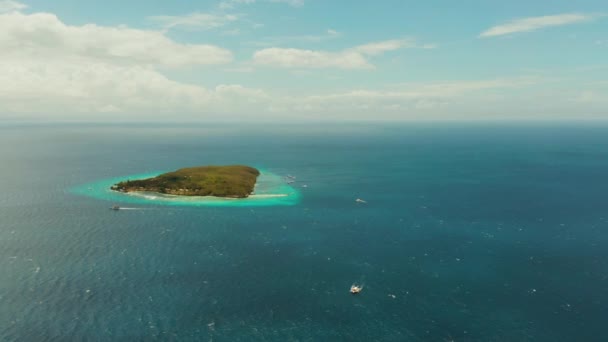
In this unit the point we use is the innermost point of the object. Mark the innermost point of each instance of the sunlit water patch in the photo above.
(270, 190)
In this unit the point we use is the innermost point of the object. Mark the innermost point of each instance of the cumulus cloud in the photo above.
(536, 23)
(80, 88)
(49, 67)
(378, 48)
(230, 4)
(294, 3)
(23, 36)
(11, 6)
(308, 38)
(200, 21)
(54, 70)
(298, 58)
(354, 58)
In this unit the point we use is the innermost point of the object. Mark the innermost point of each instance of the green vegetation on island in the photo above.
(235, 181)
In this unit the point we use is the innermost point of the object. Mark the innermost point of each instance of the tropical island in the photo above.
(234, 181)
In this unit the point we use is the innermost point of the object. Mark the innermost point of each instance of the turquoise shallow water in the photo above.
(471, 232)
(270, 190)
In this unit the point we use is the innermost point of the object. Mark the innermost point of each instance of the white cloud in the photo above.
(413, 101)
(80, 89)
(309, 38)
(11, 6)
(417, 92)
(76, 88)
(329, 34)
(50, 68)
(298, 58)
(354, 58)
(461, 87)
(79, 86)
(536, 23)
(23, 36)
(230, 4)
(293, 3)
(201, 21)
(55, 73)
(378, 48)
(456, 99)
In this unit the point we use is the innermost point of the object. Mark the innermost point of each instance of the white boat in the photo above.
(358, 200)
(356, 289)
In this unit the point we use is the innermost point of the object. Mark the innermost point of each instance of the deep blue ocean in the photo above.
(471, 232)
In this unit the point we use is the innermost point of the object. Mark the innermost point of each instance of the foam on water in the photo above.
(270, 190)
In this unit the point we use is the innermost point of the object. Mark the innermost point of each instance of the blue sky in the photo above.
(303, 59)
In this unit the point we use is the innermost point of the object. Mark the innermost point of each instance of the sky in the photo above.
(282, 60)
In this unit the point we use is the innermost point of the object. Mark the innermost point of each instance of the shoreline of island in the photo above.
(230, 182)
(271, 190)
(156, 195)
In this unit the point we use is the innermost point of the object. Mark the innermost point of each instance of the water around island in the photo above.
(270, 190)
(471, 232)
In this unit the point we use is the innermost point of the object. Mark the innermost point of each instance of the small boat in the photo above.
(356, 289)
(115, 207)
(358, 200)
